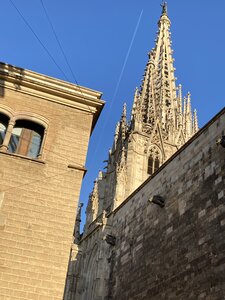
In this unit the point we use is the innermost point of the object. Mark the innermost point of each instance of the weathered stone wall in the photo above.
(38, 198)
(171, 252)
(175, 252)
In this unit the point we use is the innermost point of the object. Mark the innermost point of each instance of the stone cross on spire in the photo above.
(164, 8)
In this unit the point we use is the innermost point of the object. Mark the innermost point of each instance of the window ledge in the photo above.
(18, 156)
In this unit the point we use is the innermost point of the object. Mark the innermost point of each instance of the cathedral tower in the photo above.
(161, 122)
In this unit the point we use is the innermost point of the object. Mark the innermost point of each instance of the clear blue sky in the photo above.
(96, 35)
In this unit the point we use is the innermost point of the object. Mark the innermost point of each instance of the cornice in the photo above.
(50, 89)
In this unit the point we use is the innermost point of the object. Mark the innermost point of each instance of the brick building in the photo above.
(45, 125)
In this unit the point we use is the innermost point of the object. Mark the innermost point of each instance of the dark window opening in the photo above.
(4, 120)
(26, 138)
(150, 165)
(168, 102)
(153, 165)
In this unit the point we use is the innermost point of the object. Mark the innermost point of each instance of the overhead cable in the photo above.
(61, 49)
(58, 41)
(36, 36)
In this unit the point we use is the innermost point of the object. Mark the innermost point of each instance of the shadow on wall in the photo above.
(2, 87)
(7, 71)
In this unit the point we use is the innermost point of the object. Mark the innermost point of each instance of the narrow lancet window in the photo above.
(154, 160)
(150, 165)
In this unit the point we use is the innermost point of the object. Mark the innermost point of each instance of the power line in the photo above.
(67, 62)
(61, 49)
(47, 51)
(43, 46)
(25, 21)
(58, 41)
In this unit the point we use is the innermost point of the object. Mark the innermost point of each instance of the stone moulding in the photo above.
(51, 89)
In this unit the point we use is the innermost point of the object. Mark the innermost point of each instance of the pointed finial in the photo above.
(180, 91)
(124, 110)
(117, 128)
(164, 8)
(188, 110)
(136, 91)
(195, 121)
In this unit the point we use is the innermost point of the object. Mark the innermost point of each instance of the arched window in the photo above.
(154, 160)
(4, 120)
(26, 138)
(150, 165)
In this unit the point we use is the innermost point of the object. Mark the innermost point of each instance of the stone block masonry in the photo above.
(175, 252)
(38, 197)
(168, 235)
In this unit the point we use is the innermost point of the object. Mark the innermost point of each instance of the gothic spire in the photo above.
(161, 122)
(158, 98)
